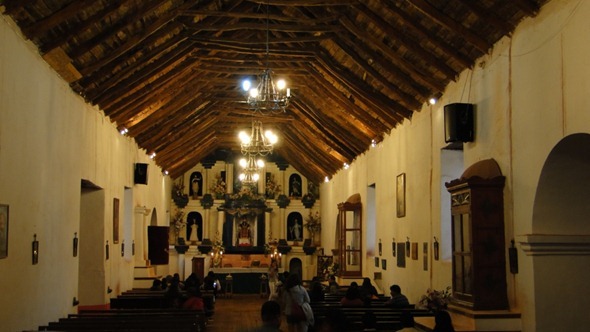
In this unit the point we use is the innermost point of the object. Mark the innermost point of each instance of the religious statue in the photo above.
(296, 231)
(194, 238)
(244, 235)
(195, 188)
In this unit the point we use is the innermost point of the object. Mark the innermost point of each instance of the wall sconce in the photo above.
(75, 248)
(122, 248)
(513, 258)
(435, 248)
(109, 290)
(35, 250)
(408, 247)
(106, 247)
(380, 248)
(393, 246)
(75, 302)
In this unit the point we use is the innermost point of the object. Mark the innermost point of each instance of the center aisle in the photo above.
(239, 313)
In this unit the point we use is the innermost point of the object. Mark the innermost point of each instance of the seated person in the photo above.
(194, 300)
(352, 297)
(368, 291)
(397, 300)
(333, 286)
(316, 292)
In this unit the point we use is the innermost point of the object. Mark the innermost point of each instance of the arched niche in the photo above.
(295, 185)
(562, 202)
(196, 185)
(295, 227)
(194, 227)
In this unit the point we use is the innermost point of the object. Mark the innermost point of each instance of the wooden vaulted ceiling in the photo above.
(170, 70)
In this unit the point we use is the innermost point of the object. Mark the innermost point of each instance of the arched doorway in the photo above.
(560, 240)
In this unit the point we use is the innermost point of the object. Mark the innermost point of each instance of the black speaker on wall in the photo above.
(140, 173)
(459, 122)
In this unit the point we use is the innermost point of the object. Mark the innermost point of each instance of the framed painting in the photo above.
(115, 220)
(415, 251)
(400, 196)
(401, 254)
(3, 231)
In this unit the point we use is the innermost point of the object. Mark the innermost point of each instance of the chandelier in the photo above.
(251, 170)
(257, 143)
(267, 96)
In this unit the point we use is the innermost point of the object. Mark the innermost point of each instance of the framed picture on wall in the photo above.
(115, 220)
(3, 231)
(400, 195)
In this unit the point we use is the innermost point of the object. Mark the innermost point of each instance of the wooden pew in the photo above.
(131, 320)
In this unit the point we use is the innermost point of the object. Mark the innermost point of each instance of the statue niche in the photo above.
(244, 232)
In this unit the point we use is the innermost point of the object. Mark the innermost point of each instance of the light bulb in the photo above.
(242, 177)
(255, 177)
(244, 138)
(260, 163)
(272, 138)
(281, 84)
(254, 93)
(246, 85)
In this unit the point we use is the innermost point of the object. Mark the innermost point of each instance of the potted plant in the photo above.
(218, 187)
(178, 195)
(178, 223)
(313, 224)
(272, 187)
(436, 300)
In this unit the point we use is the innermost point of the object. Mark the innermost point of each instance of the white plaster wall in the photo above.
(530, 91)
(50, 140)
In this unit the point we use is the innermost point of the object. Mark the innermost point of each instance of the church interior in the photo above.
(439, 145)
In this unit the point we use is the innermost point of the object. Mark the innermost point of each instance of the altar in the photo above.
(246, 280)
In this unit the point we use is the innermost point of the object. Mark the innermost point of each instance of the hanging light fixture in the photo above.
(251, 170)
(267, 96)
(259, 142)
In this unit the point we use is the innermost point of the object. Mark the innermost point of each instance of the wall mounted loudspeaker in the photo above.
(140, 173)
(459, 123)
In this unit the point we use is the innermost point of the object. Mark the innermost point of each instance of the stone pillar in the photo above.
(267, 225)
(229, 178)
(141, 238)
(220, 220)
(181, 249)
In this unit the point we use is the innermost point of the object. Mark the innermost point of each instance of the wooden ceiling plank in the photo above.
(411, 44)
(489, 16)
(446, 22)
(81, 26)
(114, 95)
(262, 16)
(89, 82)
(337, 96)
(407, 22)
(377, 100)
(49, 22)
(405, 66)
(406, 100)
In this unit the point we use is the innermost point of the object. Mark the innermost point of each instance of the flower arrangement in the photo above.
(272, 187)
(246, 193)
(218, 187)
(330, 270)
(178, 195)
(178, 221)
(313, 222)
(436, 299)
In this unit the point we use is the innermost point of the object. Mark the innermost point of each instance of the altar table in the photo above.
(246, 280)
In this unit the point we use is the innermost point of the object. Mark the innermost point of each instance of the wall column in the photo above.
(141, 237)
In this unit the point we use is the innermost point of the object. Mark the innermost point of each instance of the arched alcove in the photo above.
(560, 241)
(194, 234)
(562, 200)
(294, 227)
